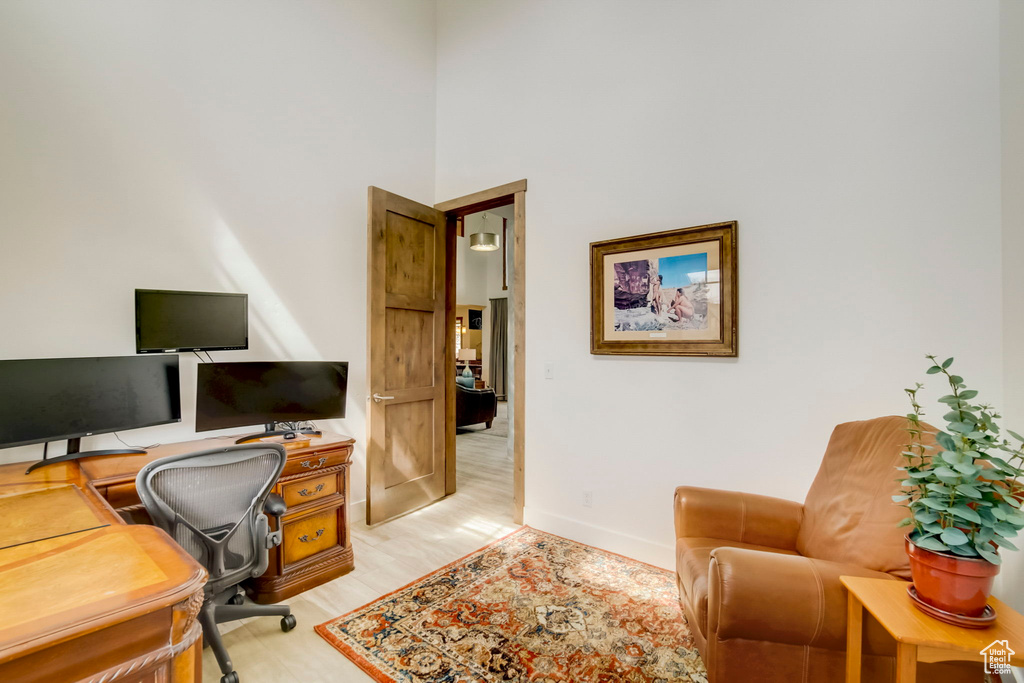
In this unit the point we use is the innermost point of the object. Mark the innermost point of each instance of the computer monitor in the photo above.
(51, 399)
(168, 321)
(251, 393)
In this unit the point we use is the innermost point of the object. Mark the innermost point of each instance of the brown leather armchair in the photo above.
(759, 576)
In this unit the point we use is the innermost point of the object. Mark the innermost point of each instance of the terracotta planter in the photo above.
(958, 585)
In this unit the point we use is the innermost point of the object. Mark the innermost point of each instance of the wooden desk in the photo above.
(94, 599)
(919, 638)
(316, 547)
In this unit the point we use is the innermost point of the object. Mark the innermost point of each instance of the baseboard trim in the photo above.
(357, 512)
(606, 539)
(599, 537)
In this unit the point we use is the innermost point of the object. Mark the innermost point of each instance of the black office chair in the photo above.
(213, 503)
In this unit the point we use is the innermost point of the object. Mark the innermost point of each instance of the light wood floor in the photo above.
(387, 557)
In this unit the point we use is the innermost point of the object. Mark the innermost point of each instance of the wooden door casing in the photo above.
(407, 337)
(514, 194)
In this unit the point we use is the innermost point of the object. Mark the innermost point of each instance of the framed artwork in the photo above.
(670, 293)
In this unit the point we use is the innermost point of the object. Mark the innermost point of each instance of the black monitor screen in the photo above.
(65, 398)
(190, 321)
(243, 394)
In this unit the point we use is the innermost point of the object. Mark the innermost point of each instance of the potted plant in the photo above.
(963, 497)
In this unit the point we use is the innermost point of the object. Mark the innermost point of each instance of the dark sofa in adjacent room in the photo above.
(473, 406)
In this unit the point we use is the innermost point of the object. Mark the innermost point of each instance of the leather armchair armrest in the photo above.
(779, 598)
(740, 517)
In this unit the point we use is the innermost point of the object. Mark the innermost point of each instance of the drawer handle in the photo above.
(306, 539)
(309, 464)
(307, 492)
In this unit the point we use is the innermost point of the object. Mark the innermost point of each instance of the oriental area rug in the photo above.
(529, 608)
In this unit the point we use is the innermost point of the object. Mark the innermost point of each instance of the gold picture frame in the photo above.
(671, 293)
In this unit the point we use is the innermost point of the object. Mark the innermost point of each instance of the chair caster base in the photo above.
(288, 623)
(229, 677)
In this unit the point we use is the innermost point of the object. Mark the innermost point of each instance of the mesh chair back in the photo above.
(211, 503)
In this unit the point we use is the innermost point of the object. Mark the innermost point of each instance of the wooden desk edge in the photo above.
(122, 469)
(169, 597)
(70, 474)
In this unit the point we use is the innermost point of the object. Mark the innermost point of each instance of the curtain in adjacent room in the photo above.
(499, 347)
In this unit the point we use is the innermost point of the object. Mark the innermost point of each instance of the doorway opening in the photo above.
(485, 353)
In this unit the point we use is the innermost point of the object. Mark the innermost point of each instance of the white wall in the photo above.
(1012, 102)
(204, 146)
(858, 146)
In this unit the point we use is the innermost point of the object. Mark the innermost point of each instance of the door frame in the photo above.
(513, 193)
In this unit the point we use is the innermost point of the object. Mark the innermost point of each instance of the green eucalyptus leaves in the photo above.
(962, 493)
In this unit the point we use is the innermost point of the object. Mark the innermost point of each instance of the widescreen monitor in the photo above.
(245, 394)
(67, 398)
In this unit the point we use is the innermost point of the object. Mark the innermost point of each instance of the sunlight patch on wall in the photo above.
(268, 315)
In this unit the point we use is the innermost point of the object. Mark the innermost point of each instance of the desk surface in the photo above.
(889, 603)
(29, 517)
(110, 468)
(62, 579)
(63, 587)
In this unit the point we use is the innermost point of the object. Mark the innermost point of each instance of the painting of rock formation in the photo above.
(668, 293)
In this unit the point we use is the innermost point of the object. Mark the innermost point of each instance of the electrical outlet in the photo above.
(588, 499)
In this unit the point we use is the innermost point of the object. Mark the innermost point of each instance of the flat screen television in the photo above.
(168, 321)
(251, 393)
(51, 399)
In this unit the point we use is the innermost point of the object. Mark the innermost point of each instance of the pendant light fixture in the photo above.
(483, 240)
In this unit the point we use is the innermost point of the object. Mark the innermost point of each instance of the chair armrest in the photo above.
(275, 505)
(739, 517)
(781, 598)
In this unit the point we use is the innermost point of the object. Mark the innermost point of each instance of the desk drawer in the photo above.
(122, 495)
(309, 463)
(310, 535)
(308, 489)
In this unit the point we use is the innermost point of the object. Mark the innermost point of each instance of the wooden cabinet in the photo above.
(316, 545)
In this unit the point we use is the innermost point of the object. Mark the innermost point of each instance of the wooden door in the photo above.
(407, 336)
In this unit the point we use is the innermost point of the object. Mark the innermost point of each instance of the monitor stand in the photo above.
(272, 430)
(74, 453)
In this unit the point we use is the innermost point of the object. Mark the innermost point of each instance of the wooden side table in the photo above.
(919, 638)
